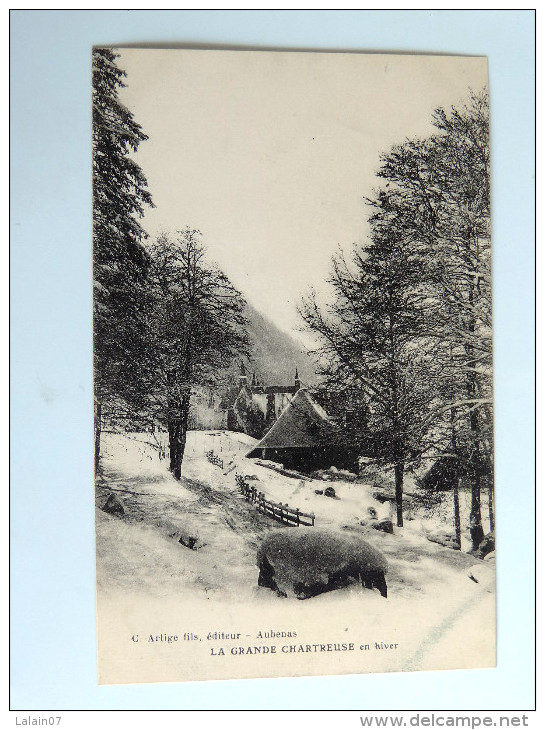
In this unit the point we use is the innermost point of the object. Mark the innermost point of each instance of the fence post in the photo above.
(276, 510)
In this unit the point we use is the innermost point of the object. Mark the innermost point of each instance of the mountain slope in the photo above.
(275, 354)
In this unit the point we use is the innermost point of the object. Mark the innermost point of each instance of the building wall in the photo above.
(260, 399)
(311, 458)
(281, 401)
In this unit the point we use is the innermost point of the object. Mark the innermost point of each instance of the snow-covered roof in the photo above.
(303, 423)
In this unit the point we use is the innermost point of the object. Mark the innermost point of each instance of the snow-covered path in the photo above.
(143, 553)
(143, 570)
(207, 504)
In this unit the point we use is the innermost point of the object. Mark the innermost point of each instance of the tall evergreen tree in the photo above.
(410, 322)
(372, 351)
(442, 185)
(119, 259)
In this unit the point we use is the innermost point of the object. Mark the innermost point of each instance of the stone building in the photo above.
(254, 407)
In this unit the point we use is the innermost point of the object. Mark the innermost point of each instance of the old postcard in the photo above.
(293, 364)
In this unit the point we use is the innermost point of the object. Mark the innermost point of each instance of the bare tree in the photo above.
(194, 329)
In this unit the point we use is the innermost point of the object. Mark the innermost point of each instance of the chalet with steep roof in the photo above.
(302, 438)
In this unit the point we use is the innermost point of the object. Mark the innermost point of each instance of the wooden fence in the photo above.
(278, 511)
(213, 459)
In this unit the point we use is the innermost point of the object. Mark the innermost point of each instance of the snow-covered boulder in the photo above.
(383, 496)
(383, 526)
(443, 537)
(188, 536)
(484, 575)
(191, 541)
(334, 474)
(347, 476)
(114, 506)
(309, 561)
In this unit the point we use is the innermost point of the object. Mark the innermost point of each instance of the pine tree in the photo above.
(442, 187)
(410, 322)
(372, 351)
(119, 259)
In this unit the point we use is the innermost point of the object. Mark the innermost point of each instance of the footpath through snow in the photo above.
(431, 600)
(207, 504)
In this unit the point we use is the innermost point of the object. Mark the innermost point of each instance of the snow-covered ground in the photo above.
(433, 606)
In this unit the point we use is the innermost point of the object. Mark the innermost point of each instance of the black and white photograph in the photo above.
(292, 322)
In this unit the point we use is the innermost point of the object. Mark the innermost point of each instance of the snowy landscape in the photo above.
(293, 363)
(140, 557)
(141, 551)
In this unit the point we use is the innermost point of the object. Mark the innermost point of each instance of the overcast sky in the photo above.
(270, 154)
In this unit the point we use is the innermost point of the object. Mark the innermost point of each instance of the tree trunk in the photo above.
(457, 481)
(456, 498)
(475, 519)
(177, 434)
(180, 448)
(176, 442)
(171, 444)
(398, 471)
(178, 453)
(491, 503)
(98, 429)
(475, 522)
(182, 434)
